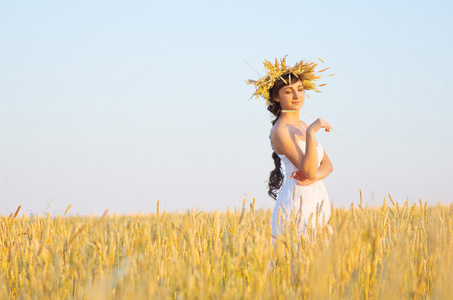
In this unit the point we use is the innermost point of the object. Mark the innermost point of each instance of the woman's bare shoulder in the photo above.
(280, 132)
(279, 129)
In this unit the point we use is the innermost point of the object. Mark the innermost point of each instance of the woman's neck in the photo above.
(290, 118)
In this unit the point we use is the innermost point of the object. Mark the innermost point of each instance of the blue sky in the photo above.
(113, 104)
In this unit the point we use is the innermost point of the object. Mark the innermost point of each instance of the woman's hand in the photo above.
(318, 124)
(301, 178)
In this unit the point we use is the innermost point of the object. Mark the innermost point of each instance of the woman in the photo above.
(303, 193)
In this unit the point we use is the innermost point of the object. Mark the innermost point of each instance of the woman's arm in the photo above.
(324, 170)
(310, 163)
(284, 143)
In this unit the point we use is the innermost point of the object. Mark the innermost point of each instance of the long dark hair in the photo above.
(276, 175)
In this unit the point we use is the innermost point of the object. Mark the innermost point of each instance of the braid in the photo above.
(276, 175)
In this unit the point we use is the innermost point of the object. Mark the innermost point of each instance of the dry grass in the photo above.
(401, 251)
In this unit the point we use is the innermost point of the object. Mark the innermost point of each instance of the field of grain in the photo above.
(395, 251)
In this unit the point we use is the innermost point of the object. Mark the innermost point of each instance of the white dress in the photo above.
(313, 196)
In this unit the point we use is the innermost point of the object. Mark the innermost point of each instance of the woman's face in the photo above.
(291, 97)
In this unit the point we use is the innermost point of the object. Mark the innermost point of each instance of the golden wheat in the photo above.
(368, 253)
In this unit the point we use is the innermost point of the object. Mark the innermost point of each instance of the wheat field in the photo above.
(393, 251)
